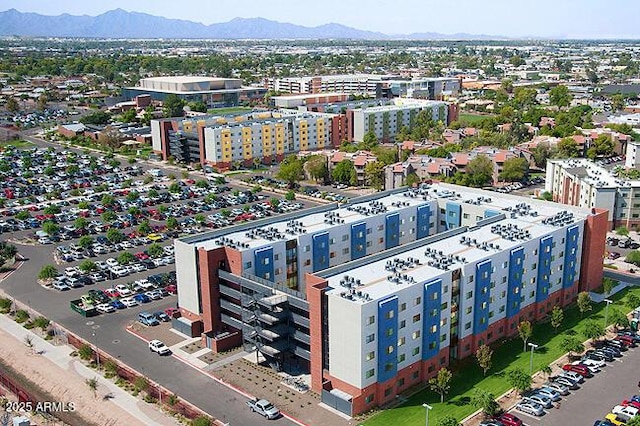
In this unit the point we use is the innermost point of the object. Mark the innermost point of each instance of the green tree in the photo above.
(128, 116)
(141, 384)
(607, 285)
(571, 345)
(85, 352)
(412, 179)
(22, 215)
(290, 170)
(93, 386)
(289, 196)
(199, 218)
(617, 318)
(198, 106)
(602, 146)
(584, 302)
(114, 236)
(172, 223)
(155, 250)
(107, 200)
(519, 379)
(617, 102)
(87, 266)
(514, 169)
(447, 420)
(540, 154)
(125, 258)
(173, 106)
(144, 228)
(369, 141)
(525, 329)
(81, 222)
(633, 421)
(516, 61)
(108, 216)
(633, 257)
(441, 383)
(622, 231)
(48, 272)
(50, 227)
(560, 96)
(97, 118)
(374, 174)
(480, 171)
(42, 101)
(507, 85)
(593, 329)
(557, 316)
(486, 401)
(344, 172)
(52, 209)
(174, 188)
(12, 105)
(484, 354)
(632, 300)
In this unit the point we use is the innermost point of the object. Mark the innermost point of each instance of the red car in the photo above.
(634, 404)
(580, 369)
(626, 340)
(141, 255)
(111, 292)
(509, 420)
(172, 312)
(172, 289)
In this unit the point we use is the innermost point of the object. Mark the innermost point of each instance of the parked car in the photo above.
(566, 381)
(625, 411)
(530, 408)
(161, 316)
(549, 393)
(615, 419)
(123, 290)
(172, 312)
(580, 369)
(147, 318)
(159, 347)
(557, 387)
(118, 304)
(539, 399)
(141, 298)
(129, 302)
(508, 419)
(106, 308)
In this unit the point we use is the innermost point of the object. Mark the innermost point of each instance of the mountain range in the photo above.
(119, 23)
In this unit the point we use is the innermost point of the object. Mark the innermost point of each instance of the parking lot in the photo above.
(596, 397)
(110, 226)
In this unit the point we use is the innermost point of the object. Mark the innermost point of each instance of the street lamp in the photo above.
(533, 347)
(95, 344)
(428, 407)
(606, 312)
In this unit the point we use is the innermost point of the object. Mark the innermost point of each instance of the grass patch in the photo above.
(237, 172)
(17, 144)
(467, 374)
(228, 110)
(472, 118)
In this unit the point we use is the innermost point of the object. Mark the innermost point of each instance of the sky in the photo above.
(512, 18)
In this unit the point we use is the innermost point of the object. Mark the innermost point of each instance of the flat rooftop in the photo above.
(595, 174)
(187, 79)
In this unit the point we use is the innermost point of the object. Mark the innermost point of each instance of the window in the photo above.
(401, 341)
(332, 255)
(369, 230)
(265, 261)
(276, 256)
(371, 355)
(247, 265)
(403, 324)
(469, 295)
(345, 237)
(387, 391)
(371, 338)
(415, 351)
(390, 349)
(345, 250)
(371, 320)
(418, 301)
(380, 227)
(278, 271)
(403, 307)
(370, 373)
(307, 262)
(470, 278)
(467, 326)
(468, 310)
(443, 337)
(390, 331)
(501, 309)
(434, 328)
(415, 335)
(388, 366)
(389, 314)
(416, 318)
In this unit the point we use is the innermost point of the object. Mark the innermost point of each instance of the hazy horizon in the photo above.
(578, 19)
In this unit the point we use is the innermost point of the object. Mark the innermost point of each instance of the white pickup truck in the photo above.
(264, 408)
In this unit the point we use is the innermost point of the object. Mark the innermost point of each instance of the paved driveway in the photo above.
(617, 381)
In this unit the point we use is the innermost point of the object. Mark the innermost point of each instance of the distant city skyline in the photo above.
(511, 18)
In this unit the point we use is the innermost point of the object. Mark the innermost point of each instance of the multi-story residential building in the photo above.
(213, 91)
(265, 136)
(374, 297)
(387, 120)
(372, 84)
(584, 183)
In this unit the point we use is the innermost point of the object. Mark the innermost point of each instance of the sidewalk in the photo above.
(129, 408)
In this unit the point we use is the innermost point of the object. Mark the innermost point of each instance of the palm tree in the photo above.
(93, 385)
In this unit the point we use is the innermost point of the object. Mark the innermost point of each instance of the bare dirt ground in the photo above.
(66, 385)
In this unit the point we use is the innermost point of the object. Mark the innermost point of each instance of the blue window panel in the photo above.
(432, 297)
(544, 269)
(320, 251)
(263, 260)
(392, 230)
(514, 286)
(358, 240)
(424, 213)
(490, 213)
(453, 212)
(481, 301)
(387, 338)
(570, 256)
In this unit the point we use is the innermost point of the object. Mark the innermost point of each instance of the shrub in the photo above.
(201, 421)
(22, 316)
(85, 352)
(5, 305)
(41, 322)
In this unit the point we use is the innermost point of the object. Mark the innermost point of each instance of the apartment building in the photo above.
(374, 297)
(264, 136)
(584, 183)
(387, 120)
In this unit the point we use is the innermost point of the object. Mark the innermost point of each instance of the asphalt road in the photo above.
(617, 381)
